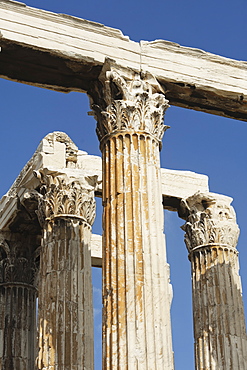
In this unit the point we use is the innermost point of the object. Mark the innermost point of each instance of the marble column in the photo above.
(129, 109)
(219, 324)
(66, 212)
(17, 302)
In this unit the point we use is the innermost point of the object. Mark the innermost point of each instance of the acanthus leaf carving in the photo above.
(135, 102)
(210, 220)
(18, 270)
(17, 264)
(67, 196)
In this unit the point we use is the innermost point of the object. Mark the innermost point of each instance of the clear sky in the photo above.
(196, 141)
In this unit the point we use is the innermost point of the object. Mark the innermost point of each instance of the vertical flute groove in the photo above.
(129, 109)
(219, 323)
(133, 280)
(65, 299)
(17, 301)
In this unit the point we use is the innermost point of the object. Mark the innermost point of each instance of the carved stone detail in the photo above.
(18, 270)
(129, 109)
(67, 208)
(71, 148)
(15, 265)
(211, 220)
(65, 196)
(19, 265)
(219, 324)
(137, 103)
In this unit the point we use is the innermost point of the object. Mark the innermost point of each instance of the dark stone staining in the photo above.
(189, 96)
(54, 71)
(46, 69)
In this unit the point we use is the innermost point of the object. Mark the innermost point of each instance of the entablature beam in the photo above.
(65, 53)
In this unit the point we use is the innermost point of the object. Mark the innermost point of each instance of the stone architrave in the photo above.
(129, 109)
(66, 53)
(66, 212)
(219, 324)
(18, 293)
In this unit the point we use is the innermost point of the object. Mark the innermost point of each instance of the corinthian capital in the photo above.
(210, 220)
(124, 100)
(17, 261)
(65, 196)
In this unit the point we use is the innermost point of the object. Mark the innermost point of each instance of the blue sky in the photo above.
(196, 141)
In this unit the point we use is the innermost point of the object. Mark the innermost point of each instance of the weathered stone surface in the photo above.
(136, 289)
(196, 79)
(210, 219)
(56, 158)
(219, 322)
(129, 107)
(65, 53)
(58, 153)
(177, 185)
(96, 250)
(127, 101)
(66, 212)
(45, 198)
(19, 266)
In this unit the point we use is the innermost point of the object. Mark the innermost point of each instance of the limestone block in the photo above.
(219, 323)
(182, 184)
(136, 328)
(57, 152)
(96, 250)
(72, 36)
(71, 51)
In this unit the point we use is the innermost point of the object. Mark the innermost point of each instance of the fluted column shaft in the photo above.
(17, 306)
(136, 290)
(219, 323)
(65, 292)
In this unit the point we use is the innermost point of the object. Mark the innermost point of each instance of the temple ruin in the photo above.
(47, 247)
